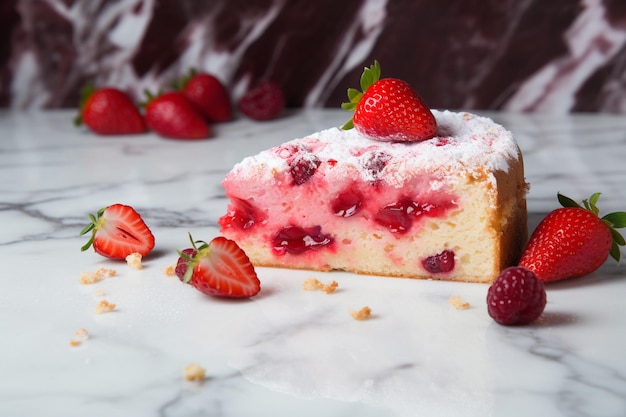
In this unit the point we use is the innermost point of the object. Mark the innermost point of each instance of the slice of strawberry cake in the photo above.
(409, 192)
(450, 207)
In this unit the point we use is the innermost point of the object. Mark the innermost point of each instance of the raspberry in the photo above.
(516, 297)
(264, 102)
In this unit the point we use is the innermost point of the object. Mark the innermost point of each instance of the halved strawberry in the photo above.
(388, 109)
(117, 231)
(220, 268)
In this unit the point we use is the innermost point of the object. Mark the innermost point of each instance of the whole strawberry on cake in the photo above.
(401, 190)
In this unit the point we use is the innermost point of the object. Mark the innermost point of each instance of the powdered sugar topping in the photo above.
(464, 142)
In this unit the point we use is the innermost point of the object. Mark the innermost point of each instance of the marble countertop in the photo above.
(286, 351)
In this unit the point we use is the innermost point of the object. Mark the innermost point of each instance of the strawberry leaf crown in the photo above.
(616, 220)
(85, 93)
(92, 226)
(370, 76)
(191, 261)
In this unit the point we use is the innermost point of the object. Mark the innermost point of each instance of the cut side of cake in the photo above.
(452, 207)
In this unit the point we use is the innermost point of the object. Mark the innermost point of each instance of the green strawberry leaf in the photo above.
(354, 95)
(370, 76)
(566, 201)
(617, 237)
(590, 204)
(348, 106)
(617, 219)
(348, 125)
(615, 252)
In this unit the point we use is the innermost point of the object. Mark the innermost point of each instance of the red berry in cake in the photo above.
(397, 217)
(303, 166)
(109, 111)
(221, 268)
(171, 115)
(573, 241)
(297, 240)
(241, 215)
(439, 263)
(373, 164)
(118, 231)
(346, 204)
(207, 93)
(266, 101)
(388, 109)
(516, 297)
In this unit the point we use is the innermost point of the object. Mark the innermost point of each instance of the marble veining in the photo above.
(286, 351)
(532, 56)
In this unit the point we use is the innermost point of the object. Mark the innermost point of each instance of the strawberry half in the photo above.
(117, 231)
(388, 109)
(220, 268)
(109, 111)
(573, 241)
(208, 95)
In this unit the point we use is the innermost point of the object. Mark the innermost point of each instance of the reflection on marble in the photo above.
(533, 55)
(286, 351)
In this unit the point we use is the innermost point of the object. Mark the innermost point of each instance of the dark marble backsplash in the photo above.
(519, 55)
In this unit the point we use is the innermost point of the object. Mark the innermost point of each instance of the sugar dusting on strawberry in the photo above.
(118, 231)
(388, 109)
(573, 241)
(219, 268)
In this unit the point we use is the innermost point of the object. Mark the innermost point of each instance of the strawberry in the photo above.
(209, 95)
(109, 111)
(219, 268)
(573, 241)
(173, 116)
(388, 109)
(266, 101)
(117, 231)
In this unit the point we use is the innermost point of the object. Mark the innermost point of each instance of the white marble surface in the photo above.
(286, 351)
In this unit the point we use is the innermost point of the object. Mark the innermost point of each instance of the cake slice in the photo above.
(451, 207)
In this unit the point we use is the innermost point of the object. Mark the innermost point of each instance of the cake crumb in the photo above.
(80, 336)
(134, 260)
(87, 277)
(312, 284)
(104, 307)
(100, 293)
(363, 314)
(456, 302)
(194, 372)
(170, 270)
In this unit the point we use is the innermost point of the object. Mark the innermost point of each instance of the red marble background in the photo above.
(524, 55)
